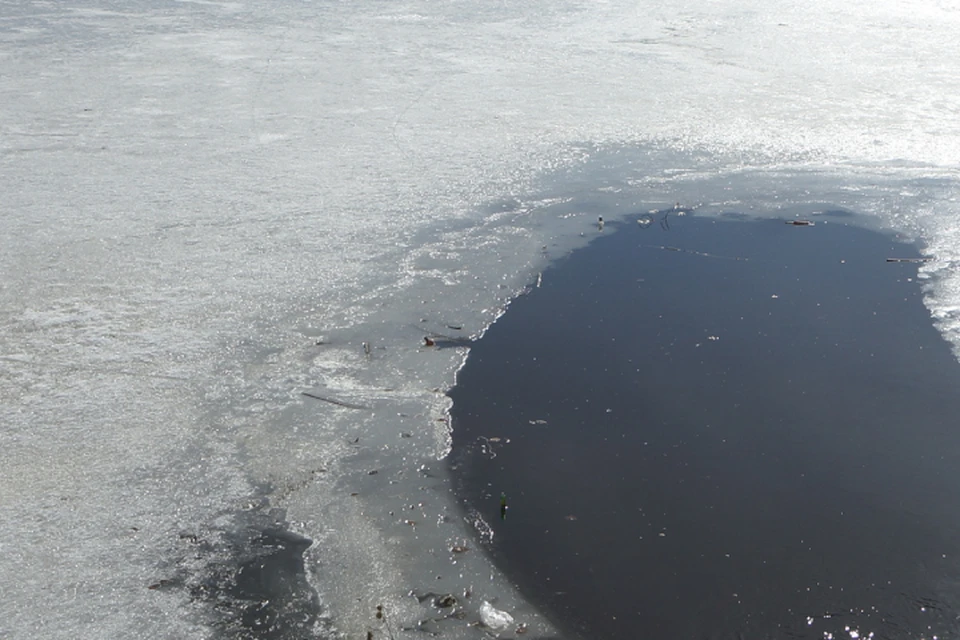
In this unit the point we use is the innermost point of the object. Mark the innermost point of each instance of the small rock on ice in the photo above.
(494, 618)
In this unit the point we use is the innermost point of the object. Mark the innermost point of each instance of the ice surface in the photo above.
(210, 207)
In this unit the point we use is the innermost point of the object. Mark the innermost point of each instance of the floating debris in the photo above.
(909, 259)
(439, 600)
(696, 253)
(487, 445)
(445, 601)
(800, 223)
(441, 340)
(163, 584)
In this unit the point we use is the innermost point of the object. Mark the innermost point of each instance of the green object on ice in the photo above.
(503, 506)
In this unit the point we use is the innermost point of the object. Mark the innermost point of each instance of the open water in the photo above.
(711, 428)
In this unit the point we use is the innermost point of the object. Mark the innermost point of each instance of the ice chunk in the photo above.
(494, 618)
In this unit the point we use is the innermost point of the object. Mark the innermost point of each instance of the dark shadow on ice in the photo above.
(248, 577)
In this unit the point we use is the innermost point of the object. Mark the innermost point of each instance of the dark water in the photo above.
(721, 429)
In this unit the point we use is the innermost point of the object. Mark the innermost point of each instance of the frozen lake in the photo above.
(212, 208)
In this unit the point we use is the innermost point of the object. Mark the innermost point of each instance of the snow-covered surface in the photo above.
(195, 194)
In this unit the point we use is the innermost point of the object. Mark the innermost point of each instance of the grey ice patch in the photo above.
(245, 574)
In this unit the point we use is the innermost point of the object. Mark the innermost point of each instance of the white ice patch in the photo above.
(494, 618)
(212, 207)
(941, 275)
